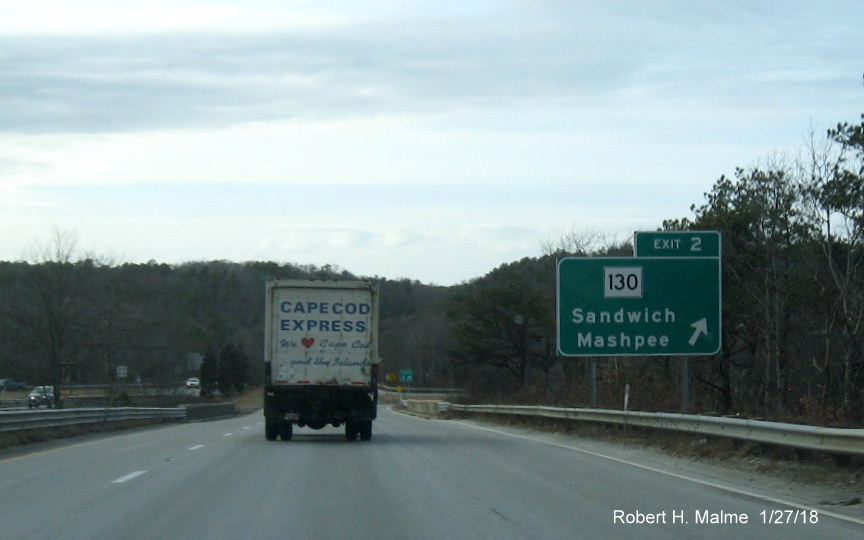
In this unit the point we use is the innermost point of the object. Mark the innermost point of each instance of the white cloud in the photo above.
(440, 138)
(123, 17)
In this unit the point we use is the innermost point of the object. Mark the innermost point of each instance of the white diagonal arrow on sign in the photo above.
(701, 327)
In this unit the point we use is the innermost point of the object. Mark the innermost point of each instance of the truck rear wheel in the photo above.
(286, 431)
(351, 431)
(365, 430)
(270, 429)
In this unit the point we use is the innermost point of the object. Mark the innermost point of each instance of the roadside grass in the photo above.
(249, 400)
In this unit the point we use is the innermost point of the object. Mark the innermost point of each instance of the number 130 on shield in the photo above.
(622, 282)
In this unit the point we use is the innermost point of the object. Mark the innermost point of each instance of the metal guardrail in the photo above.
(815, 438)
(51, 418)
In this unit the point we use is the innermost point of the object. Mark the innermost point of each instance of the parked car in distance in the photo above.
(193, 383)
(41, 395)
(11, 385)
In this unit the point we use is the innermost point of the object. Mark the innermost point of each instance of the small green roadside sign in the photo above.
(406, 375)
(639, 306)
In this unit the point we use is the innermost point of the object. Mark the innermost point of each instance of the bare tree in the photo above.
(580, 243)
(835, 198)
(46, 314)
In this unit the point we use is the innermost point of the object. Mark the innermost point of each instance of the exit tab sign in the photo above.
(677, 244)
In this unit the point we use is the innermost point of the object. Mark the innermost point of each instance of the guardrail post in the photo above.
(685, 385)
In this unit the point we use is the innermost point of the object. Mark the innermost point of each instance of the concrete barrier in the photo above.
(19, 420)
(423, 407)
(209, 411)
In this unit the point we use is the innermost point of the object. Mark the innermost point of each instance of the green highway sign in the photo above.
(639, 306)
(677, 244)
(406, 375)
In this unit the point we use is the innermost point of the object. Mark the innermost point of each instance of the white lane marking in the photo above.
(227, 434)
(130, 476)
(245, 427)
(196, 447)
(739, 491)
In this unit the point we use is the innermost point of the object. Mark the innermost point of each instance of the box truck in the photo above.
(321, 357)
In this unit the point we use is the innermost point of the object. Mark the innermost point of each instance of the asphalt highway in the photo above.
(416, 478)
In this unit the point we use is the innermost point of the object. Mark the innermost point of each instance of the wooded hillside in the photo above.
(793, 309)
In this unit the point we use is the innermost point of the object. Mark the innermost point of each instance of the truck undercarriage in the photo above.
(318, 406)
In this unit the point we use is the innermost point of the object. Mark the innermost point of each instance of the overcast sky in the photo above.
(433, 140)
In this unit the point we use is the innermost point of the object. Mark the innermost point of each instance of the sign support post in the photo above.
(685, 384)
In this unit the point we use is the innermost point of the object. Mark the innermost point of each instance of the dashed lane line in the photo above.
(130, 476)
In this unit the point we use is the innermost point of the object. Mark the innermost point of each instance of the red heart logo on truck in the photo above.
(307, 342)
